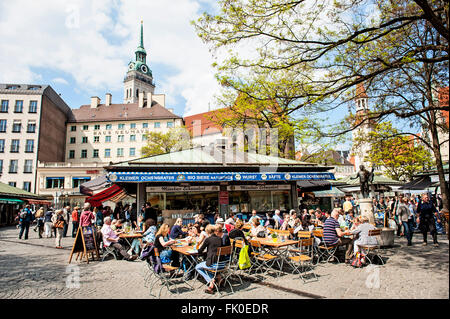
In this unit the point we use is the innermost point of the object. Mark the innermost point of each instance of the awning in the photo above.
(420, 183)
(89, 187)
(312, 186)
(335, 192)
(37, 201)
(113, 193)
(12, 201)
(136, 177)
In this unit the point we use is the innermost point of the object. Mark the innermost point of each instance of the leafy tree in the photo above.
(161, 143)
(400, 155)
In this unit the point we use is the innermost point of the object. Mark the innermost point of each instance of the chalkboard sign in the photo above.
(84, 243)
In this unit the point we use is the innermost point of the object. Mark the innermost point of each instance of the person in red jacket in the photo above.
(75, 220)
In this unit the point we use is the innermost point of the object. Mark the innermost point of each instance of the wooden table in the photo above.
(130, 236)
(190, 254)
(278, 248)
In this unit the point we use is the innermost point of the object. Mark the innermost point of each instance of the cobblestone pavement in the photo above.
(34, 267)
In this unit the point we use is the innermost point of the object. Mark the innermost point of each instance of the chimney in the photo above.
(149, 99)
(108, 99)
(141, 99)
(160, 99)
(95, 101)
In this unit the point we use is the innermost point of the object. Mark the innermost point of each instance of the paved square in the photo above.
(34, 268)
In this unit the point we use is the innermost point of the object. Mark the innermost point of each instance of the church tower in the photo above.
(139, 78)
(362, 110)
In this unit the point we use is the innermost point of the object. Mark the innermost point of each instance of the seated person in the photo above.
(307, 224)
(110, 238)
(333, 235)
(237, 231)
(177, 231)
(149, 231)
(362, 233)
(211, 244)
(254, 215)
(270, 222)
(256, 227)
(225, 238)
(117, 224)
(230, 220)
(163, 245)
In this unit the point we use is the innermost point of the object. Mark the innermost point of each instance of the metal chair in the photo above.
(324, 250)
(304, 259)
(222, 267)
(262, 259)
(108, 250)
(372, 251)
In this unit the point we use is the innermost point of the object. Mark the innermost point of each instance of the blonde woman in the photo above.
(162, 243)
(40, 221)
(59, 227)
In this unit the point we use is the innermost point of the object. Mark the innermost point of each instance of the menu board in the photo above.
(84, 243)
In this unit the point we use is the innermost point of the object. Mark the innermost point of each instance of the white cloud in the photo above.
(60, 80)
(92, 41)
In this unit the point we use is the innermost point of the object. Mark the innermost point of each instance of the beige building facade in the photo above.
(32, 129)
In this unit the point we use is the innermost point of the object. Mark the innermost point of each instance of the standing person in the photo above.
(26, 218)
(403, 217)
(75, 220)
(40, 221)
(48, 225)
(426, 213)
(66, 214)
(118, 211)
(134, 216)
(86, 216)
(58, 224)
(347, 205)
(126, 213)
(98, 218)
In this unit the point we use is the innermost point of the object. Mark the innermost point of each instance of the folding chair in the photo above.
(324, 250)
(372, 251)
(300, 235)
(236, 245)
(164, 274)
(304, 259)
(222, 266)
(262, 259)
(108, 250)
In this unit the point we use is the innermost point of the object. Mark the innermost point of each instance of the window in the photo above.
(108, 139)
(120, 152)
(95, 154)
(15, 146)
(120, 138)
(157, 124)
(2, 146)
(132, 125)
(73, 128)
(169, 124)
(84, 139)
(132, 138)
(54, 182)
(27, 186)
(77, 181)
(132, 151)
(144, 125)
(107, 152)
(108, 126)
(13, 166)
(31, 127)
(121, 126)
(18, 108)
(29, 147)
(1, 165)
(144, 137)
(85, 127)
(4, 107)
(3, 125)
(28, 168)
(71, 154)
(13, 184)
(96, 139)
(33, 107)
(96, 126)
(73, 140)
(17, 125)
(83, 153)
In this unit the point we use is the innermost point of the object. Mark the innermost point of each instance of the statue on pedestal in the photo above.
(365, 177)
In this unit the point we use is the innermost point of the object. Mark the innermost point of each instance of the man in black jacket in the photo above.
(212, 244)
(426, 212)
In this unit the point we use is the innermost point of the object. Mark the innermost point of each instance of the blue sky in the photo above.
(82, 48)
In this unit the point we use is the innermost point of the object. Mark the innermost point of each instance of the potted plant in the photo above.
(274, 237)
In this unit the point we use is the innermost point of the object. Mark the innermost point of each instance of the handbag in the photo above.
(59, 224)
(244, 259)
(357, 261)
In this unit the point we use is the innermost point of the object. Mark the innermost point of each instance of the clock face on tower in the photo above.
(144, 68)
(131, 66)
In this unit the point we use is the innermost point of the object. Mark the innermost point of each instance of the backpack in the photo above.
(23, 214)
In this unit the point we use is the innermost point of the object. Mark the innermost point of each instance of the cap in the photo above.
(219, 220)
(196, 215)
